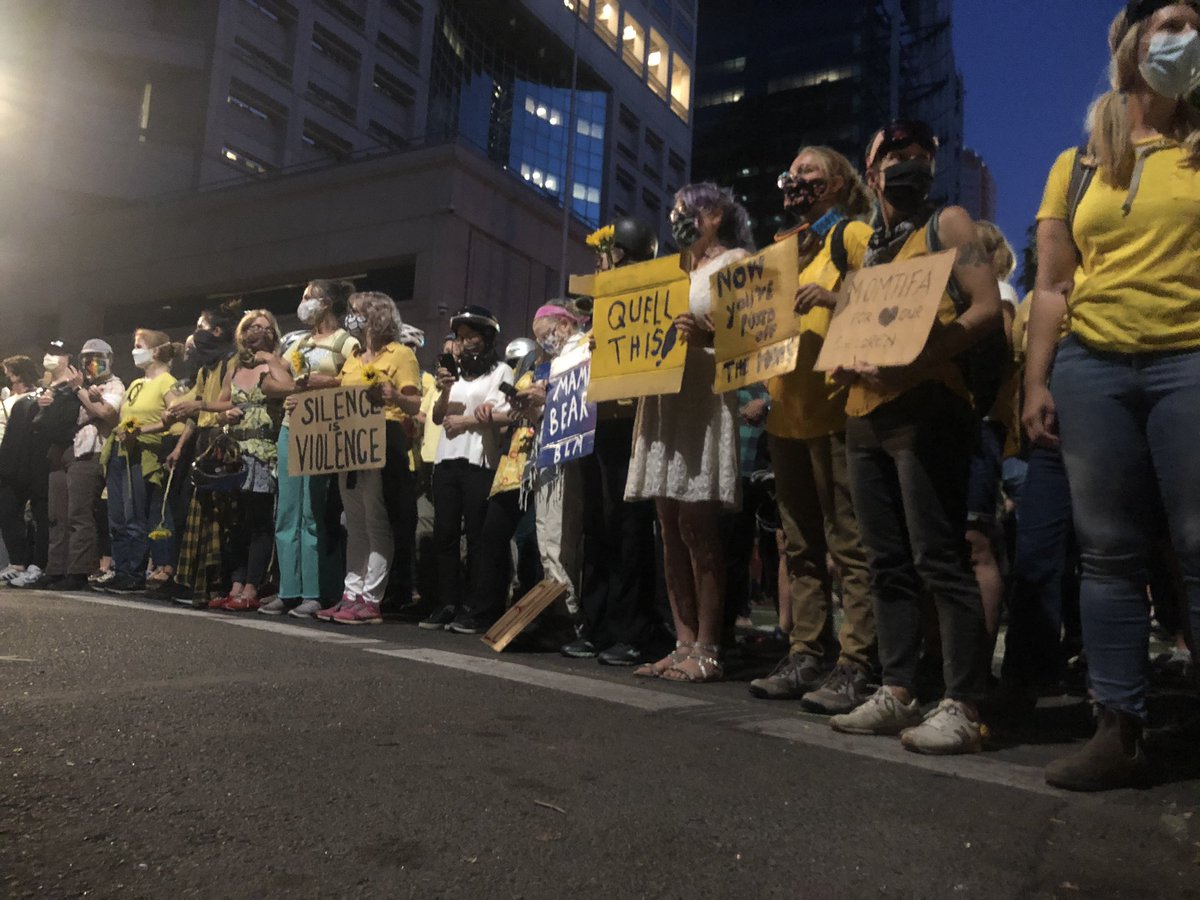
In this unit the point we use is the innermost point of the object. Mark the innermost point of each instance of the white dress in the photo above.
(685, 445)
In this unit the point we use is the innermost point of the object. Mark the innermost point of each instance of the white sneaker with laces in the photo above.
(9, 572)
(306, 610)
(948, 729)
(883, 713)
(28, 577)
(272, 606)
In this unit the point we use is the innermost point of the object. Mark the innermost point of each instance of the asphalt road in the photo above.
(149, 751)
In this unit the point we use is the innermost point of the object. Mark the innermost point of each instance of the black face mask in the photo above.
(685, 231)
(473, 365)
(801, 196)
(209, 347)
(906, 185)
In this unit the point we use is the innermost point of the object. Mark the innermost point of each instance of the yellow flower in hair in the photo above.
(602, 240)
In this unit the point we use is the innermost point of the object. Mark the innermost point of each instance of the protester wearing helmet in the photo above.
(467, 454)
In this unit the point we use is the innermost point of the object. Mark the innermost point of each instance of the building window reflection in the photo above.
(633, 44)
(608, 14)
(681, 86)
(658, 64)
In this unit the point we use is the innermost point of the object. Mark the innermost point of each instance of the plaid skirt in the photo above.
(211, 519)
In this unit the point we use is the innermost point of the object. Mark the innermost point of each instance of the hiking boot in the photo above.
(358, 612)
(1113, 758)
(844, 690)
(948, 729)
(795, 676)
(882, 713)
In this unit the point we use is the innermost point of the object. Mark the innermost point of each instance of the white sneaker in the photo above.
(883, 713)
(306, 610)
(26, 578)
(946, 730)
(272, 606)
(9, 572)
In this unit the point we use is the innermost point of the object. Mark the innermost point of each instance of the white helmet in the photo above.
(518, 349)
(412, 336)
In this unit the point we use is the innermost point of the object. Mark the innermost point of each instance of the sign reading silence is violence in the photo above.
(336, 430)
(757, 331)
(884, 314)
(638, 351)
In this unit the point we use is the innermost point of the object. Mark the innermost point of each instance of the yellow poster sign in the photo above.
(885, 313)
(757, 331)
(638, 351)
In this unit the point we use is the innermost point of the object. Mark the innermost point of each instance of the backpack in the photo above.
(987, 363)
(1082, 174)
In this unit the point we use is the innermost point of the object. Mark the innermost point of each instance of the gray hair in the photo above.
(706, 197)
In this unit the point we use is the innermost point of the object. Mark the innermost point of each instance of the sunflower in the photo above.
(602, 240)
(161, 532)
(371, 375)
(299, 363)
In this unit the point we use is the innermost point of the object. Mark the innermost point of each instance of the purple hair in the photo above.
(706, 197)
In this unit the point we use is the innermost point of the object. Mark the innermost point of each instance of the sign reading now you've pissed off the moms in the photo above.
(336, 430)
(757, 331)
(885, 313)
(638, 351)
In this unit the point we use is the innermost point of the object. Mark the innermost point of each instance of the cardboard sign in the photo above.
(336, 430)
(757, 330)
(885, 313)
(568, 421)
(638, 352)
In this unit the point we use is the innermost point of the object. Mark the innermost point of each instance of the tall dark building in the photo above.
(775, 75)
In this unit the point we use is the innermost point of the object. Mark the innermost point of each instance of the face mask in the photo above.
(1172, 65)
(142, 357)
(473, 365)
(356, 323)
(906, 185)
(685, 231)
(309, 310)
(801, 195)
(50, 362)
(95, 367)
(552, 343)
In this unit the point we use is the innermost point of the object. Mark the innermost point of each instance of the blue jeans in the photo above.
(1043, 577)
(129, 502)
(1130, 429)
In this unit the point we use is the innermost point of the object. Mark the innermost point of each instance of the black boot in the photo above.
(1113, 758)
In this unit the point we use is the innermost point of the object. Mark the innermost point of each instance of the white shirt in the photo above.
(1008, 294)
(88, 438)
(6, 410)
(478, 444)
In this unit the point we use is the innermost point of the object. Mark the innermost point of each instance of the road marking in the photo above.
(641, 698)
(310, 634)
(14, 659)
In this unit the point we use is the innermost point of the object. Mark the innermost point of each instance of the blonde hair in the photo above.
(383, 319)
(854, 197)
(165, 351)
(1110, 144)
(239, 334)
(999, 250)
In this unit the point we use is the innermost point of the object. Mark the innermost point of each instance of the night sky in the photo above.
(1030, 68)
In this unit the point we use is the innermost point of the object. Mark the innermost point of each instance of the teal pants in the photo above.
(309, 549)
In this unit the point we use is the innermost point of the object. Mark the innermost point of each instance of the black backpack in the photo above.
(986, 364)
(58, 422)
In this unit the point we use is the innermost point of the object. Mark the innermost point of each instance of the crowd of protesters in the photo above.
(1031, 465)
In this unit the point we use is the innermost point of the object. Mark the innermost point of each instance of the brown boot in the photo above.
(1113, 758)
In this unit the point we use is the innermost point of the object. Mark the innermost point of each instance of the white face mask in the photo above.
(142, 357)
(1172, 65)
(309, 310)
(50, 362)
(552, 343)
(356, 323)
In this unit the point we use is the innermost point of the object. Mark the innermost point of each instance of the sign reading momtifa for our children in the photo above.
(336, 430)
(757, 331)
(885, 313)
(568, 421)
(638, 351)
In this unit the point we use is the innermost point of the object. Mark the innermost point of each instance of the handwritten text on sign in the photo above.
(885, 313)
(569, 421)
(757, 331)
(336, 430)
(638, 352)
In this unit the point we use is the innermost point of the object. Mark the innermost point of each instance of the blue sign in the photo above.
(569, 421)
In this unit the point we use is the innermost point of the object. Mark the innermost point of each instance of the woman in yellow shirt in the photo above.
(380, 504)
(1126, 382)
(132, 455)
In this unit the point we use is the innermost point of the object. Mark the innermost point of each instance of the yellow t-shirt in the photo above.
(863, 398)
(1140, 287)
(145, 400)
(396, 364)
(804, 403)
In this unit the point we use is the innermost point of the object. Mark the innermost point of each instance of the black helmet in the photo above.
(478, 317)
(636, 238)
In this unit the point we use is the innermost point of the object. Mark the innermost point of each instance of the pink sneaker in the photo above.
(359, 612)
(326, 615)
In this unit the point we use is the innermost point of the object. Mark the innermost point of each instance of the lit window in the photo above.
(608, 13)
(526, 172)
(811, 79)
(735, 65)
(579, 192)
(245, 160)
(633, 43)
(581, 6)
(720, 98)
(530, 106)
(658, 64)
(593, 195)
(681, 86)
(551, 183)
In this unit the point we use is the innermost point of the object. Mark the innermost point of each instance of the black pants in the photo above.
(492, 572)
(460, 499)
(618, 540)
(27, 542)
(909, 464)
(254, 538)
(400, 498)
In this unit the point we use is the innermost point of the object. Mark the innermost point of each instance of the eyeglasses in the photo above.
(261, 329)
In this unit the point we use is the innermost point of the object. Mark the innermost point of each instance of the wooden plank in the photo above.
(524, 611)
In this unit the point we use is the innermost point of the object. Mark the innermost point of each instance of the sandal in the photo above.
(674, 658)
(708, 666)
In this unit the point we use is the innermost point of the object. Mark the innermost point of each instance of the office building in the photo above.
(978, 189)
